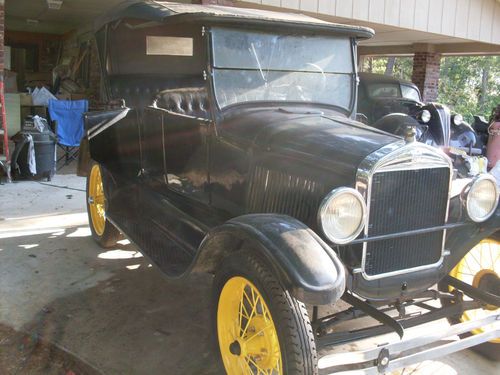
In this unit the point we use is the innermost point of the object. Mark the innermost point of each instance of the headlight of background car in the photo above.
(342, 215)
(458, 119)
(481, 198)
(425, 116)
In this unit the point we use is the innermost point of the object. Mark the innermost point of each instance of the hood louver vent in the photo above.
(273, 191)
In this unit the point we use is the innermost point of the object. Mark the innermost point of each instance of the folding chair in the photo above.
(68, 117)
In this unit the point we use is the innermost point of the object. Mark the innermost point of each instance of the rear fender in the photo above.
(396, 123)
(303, 262)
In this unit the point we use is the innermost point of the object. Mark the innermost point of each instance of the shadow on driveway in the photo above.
(108, 308)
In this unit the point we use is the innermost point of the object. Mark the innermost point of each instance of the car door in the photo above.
(153, 151)
(114, 142)
(186, 155)
(175, 153)
(174, 186)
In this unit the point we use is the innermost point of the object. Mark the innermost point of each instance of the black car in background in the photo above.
(235, 151)
(380, 95)
(392, 104)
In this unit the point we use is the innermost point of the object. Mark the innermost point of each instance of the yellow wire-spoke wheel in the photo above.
(96, 200)
(262, 328)
(480, 268)
(247, 334)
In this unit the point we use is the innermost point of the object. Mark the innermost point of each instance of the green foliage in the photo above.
(403, 66)
(470, 85)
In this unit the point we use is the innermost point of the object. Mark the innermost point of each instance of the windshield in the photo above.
(410, 92)
(255, 66)
(384, 90)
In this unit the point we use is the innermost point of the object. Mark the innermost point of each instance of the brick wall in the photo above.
(426, 74)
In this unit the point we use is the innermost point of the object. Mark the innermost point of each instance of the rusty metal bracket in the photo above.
(374, 313)
(472, 292)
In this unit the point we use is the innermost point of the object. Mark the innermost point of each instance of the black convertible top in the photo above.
(166, 12)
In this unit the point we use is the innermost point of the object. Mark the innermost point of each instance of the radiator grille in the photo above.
(274, 191)
(403, 201)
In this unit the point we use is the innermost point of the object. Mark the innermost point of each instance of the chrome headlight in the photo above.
(342, 215)
(481, 198)
(458, 119)
(425, 116)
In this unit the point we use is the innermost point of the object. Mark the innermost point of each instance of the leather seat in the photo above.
(140, 91)
(192, 101)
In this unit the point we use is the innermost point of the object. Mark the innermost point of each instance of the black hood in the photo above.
(328, 140)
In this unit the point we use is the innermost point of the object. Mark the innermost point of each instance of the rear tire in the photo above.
(103, 231)
(277, 336)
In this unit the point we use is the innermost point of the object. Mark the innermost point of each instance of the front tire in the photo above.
(261, 327)
(479, 267)
(103, 231)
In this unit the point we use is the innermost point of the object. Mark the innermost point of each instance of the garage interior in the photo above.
(66, 305)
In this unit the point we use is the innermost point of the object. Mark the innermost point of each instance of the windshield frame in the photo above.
(349, 111)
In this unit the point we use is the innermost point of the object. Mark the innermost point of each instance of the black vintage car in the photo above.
(392, 104)
(232, 149)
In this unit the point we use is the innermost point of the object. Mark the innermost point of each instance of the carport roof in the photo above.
(161, 11)
(398, 36)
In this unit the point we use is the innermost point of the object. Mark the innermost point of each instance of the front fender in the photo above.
(303, 262)
(462, 239)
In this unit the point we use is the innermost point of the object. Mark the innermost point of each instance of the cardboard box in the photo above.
(12, 113)
(71, 96)
(26, 99)
(38, 79)
(78, 96)
(63, 96)
(10, 81)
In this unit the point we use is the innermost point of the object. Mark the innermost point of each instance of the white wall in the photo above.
(477, 20)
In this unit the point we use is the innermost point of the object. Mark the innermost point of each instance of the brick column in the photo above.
(426, 74)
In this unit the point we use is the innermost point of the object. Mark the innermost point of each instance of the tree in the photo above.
(470, 85)
(397, 66)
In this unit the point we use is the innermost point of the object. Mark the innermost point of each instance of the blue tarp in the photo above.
(69, 117)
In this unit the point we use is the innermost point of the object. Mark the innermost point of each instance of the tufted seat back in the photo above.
(140, 91)
(192, 101)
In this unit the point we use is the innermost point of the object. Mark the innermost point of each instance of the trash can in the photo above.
(44, 149)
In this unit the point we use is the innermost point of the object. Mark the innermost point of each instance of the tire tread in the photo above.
(111, 234)
(299, 356)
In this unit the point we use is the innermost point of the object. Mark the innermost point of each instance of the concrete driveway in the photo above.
(106, 311)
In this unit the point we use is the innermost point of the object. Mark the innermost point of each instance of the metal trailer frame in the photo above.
(393, 355)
